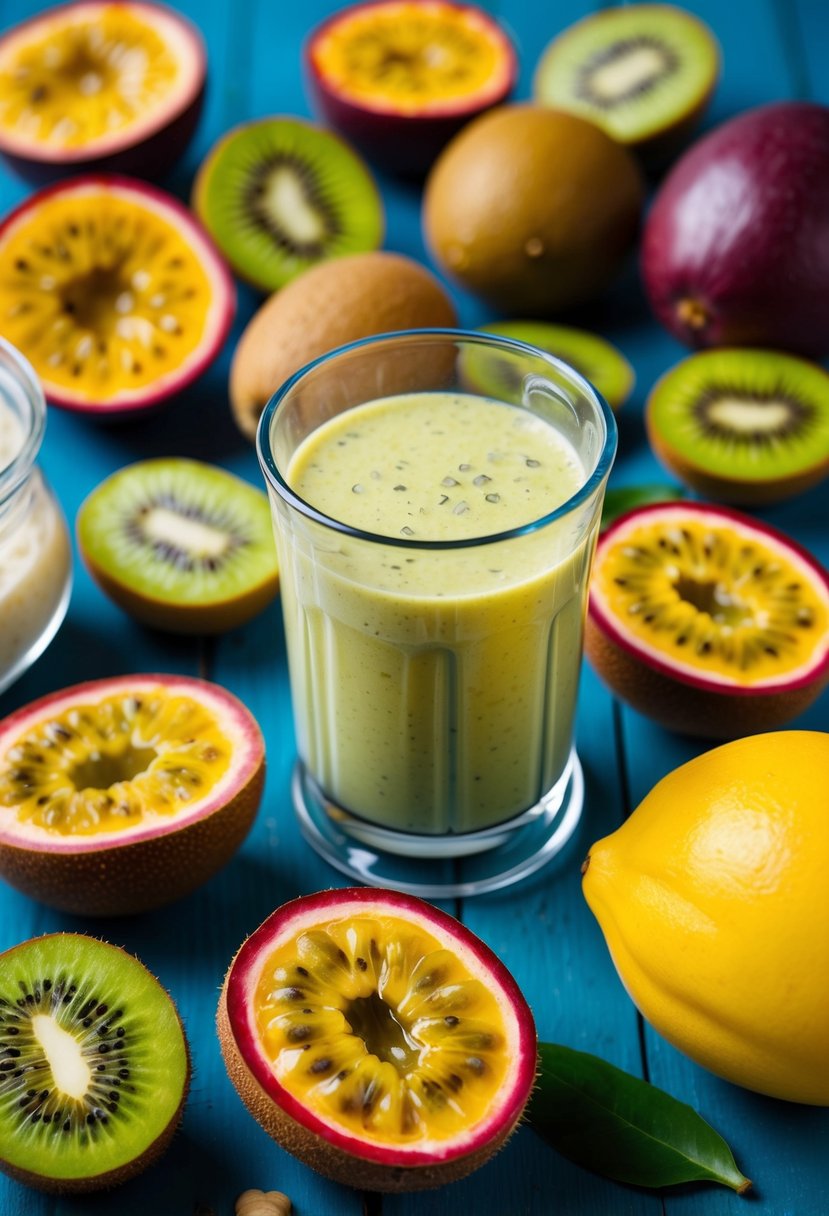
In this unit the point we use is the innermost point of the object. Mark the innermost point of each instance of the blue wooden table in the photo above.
(773, 49)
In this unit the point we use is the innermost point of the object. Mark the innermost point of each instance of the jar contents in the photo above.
(35, 559)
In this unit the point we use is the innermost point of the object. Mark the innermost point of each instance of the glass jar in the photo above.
(35, 552)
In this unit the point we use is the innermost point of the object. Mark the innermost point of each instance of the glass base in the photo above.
(437, 867)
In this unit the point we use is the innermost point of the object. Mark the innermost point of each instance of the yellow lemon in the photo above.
(714, 901)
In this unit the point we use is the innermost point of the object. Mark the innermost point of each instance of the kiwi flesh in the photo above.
(643, 72)
(280, 194)
(593, 357)
(94, 1064)
(180, 545)
(742, 425)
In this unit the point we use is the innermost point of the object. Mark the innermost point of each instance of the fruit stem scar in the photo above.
(585, 865)
(691, 313)
(71, 1073)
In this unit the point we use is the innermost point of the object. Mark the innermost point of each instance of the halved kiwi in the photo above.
(742, 425)
(643, 72)
(280, 194)
(94, 1066)
(595, 358)
(180, 545)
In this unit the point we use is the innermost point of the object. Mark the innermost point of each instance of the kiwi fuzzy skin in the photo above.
(328, 1159)
(732, 490)
(537, 248)
(111, 1178)
(688, 709)
(119, 879)
(212, 618)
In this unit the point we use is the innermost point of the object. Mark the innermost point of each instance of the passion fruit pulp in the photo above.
(120, 795)
(706, 620)
(113, 292)
(377, 1039)
(399, 78)
(96, 85)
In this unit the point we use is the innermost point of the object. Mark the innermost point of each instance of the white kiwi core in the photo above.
(70, 1071)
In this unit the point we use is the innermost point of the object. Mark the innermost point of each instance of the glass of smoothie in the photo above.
(436, 498)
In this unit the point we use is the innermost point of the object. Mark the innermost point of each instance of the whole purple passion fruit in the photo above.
(736, 246)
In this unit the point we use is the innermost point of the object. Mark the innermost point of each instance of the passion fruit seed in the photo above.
(102, 766)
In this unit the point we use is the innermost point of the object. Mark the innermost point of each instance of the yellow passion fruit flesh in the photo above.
(113, 293)
(99, 85)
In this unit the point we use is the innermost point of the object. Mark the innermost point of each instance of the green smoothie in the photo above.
(434, 688)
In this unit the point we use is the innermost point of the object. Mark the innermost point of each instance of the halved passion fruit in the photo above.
(400, 77)
(98, 85)
(707, 620)
(377, 1039)
(113, 292)
(121, 795)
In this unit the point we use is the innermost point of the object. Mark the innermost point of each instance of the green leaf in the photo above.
(625, 498)
(622, 1127)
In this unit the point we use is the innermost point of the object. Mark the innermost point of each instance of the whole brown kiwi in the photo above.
(327, 306)
(532, 209)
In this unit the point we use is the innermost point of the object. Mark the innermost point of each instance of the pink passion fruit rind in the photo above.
(343, 1157)
(142, 865)
(405, 142)
(682, 698)
(147, 148)
(222, 307)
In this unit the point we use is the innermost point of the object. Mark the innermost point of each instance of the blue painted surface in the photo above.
(543, 931)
